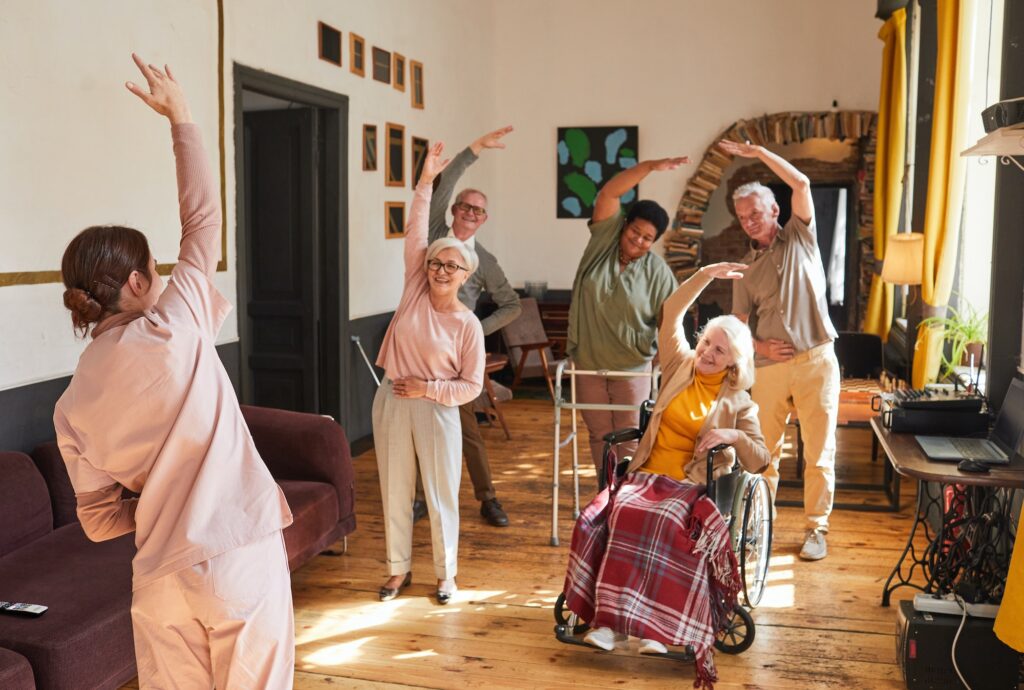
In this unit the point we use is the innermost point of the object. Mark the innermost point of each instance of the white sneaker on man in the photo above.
(652, 647)
(603, 638)
(814, 545)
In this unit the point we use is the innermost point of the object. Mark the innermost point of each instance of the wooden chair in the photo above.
(494, 363)
(527, 342)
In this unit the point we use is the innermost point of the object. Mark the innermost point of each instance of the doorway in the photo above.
(291, 153)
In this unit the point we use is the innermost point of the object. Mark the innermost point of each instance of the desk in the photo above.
(975, 539)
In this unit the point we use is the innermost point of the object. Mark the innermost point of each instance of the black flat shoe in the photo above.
(419, 511)
(444, 597)
(387, 593)
(492, 512)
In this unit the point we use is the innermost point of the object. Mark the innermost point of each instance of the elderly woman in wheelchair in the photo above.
(651, 555)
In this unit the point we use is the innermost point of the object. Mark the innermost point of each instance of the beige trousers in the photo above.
(604, 390)
(225, 623)
(808, 382)
(404, 431)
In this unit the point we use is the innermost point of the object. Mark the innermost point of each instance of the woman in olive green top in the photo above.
(618, 290)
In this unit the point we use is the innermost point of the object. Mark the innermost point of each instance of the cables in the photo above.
(956, 638)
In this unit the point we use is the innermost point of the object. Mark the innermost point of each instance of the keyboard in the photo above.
(977, 449)
(930, 399)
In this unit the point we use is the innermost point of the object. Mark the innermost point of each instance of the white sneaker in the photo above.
(652, 647)
(814, 546)
(602, 638)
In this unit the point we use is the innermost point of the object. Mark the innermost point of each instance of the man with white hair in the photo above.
(782, 297)
(469, 213)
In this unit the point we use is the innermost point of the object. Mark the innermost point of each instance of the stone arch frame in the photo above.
(683, 246)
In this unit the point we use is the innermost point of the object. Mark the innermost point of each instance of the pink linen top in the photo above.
(150, 408)
(446, 349)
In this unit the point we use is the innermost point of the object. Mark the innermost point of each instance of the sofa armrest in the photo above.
(302, 446)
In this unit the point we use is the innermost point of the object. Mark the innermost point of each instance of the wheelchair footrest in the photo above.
(564, 634)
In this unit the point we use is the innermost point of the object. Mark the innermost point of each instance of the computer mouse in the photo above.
(971, 466)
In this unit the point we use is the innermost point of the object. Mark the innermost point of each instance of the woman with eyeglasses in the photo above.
(616, 295)
(433, 360)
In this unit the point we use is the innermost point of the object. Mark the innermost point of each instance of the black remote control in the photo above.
(16, 609)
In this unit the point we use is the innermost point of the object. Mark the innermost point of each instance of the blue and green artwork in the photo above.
(587, 158)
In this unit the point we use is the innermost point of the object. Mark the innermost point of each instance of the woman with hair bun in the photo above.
(150, 409)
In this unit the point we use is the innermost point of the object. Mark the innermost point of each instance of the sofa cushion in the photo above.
(24, 503)
(51, 465)
(314, 506)
(85, 638)
(15, 672)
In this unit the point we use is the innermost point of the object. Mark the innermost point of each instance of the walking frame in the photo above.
(565, 367)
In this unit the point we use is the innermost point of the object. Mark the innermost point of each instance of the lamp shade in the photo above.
(904, 259)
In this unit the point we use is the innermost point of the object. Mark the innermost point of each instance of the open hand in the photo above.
(409, 387)
(491, 140)
(661, 164)
(716, 437)
(726, 270)
(432, 163)
(165, 95)
(735, 148)
(777, 350)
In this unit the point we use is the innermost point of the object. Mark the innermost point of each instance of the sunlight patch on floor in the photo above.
(416, 655)
(336, 654)
(344, 620)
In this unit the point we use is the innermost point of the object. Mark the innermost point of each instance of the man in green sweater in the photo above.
(469, 212)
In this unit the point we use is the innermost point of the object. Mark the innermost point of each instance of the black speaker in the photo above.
(1003, 114)
(923, 644)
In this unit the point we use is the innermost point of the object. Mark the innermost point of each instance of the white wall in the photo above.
(682, 70)
(77, 149)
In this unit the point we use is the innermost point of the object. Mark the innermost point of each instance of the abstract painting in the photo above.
(587, 158)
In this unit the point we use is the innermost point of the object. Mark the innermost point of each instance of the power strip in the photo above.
(947, 605)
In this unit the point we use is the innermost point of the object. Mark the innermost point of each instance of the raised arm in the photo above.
(608, 201)
(198, 196)
(670, 338)
(454, 172)
(803, 205)
(416, 236)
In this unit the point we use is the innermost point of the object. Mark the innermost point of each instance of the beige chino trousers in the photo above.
(225, 623)
(406, 430)
(809, 382)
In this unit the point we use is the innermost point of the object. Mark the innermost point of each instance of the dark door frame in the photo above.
(331, 173)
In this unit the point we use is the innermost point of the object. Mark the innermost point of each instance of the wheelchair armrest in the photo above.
(622, 435)
(710, 477)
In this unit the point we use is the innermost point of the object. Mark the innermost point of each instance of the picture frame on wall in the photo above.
(587, 157)
(419, 148)
(416, 81)
(394, 155)
(381, 65)
(394, 220)
(328, 43)
(356, 54)
(398, 76)
(369, 147)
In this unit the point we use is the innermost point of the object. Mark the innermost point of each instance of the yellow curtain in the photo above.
(946, 172)
(889, 161)
(1010, 620)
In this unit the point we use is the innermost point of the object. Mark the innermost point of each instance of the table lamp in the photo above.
(904, 262)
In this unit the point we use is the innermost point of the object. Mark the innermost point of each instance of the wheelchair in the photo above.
(744, 500)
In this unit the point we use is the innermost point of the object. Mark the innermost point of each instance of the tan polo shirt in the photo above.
(783, 291)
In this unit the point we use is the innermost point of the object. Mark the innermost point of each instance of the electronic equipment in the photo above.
(937, 399)
(1003, 114)
(924, 642)
(932, 411)
(16, 609)
(998, 448)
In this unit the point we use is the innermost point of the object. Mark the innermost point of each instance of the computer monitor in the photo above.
(1009, 426)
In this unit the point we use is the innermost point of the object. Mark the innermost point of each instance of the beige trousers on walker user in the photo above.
(226, 622)
(405, 429)
(808, 382)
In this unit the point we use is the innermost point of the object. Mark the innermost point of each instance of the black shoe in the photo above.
(444, 597)
(419, 511)
(492, 512)
(387, 594)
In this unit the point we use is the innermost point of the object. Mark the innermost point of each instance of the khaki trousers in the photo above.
(808, 382)
(407, 432)
(225, 623)
(616, 390)
(475, 452)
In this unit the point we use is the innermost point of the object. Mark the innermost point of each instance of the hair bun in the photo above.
(82, 305)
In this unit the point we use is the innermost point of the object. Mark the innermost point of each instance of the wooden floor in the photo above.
(820, 624)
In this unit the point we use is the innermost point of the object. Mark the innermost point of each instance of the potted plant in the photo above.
(967, 332)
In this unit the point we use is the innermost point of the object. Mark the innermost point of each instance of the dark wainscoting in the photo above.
(26, 412)
(361, 389)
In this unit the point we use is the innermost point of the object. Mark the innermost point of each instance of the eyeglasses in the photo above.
(470, 208)
(449, 266)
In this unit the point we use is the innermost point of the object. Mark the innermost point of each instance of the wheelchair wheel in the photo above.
(755, 540)
(738, 634)
(563, 616)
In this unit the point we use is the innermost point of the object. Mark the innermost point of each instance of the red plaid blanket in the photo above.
(651, 558)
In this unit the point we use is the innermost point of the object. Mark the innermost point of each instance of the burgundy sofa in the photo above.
(84, 640)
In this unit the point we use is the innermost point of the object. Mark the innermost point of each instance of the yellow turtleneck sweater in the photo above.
(680, 424)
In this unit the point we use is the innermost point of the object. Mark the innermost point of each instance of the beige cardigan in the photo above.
(732, 409)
